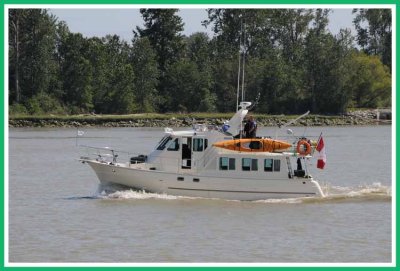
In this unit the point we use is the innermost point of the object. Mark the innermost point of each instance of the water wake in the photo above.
(365, 192)
(339, 194)
(114, 191)
(334, 194)
(132, 194)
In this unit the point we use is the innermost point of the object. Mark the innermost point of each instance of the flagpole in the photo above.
(319, 138)
(78, 134)
(321, 149)
(76, 138)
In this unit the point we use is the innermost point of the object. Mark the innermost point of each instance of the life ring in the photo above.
(303, 147)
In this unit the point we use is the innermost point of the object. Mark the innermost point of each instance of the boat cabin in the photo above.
(190, 152)
(183, 151)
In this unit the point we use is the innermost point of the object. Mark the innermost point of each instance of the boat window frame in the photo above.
(231, 163)
(163, 142)
(274, 167)
(196, 145)
(271, 168)
(277, 165)
(175, 143)
(253, 164)
(204, 146)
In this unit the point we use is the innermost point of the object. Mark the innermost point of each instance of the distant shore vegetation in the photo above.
(291, 60)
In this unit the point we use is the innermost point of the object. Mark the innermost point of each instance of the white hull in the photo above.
(205, 185)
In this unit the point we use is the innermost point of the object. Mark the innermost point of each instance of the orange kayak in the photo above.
(254, 145)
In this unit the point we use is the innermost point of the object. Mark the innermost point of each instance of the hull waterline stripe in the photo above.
(234, 191)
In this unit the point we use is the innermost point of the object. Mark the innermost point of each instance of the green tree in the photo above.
(32, 39)
(318, 47)
(371, 82)
(98, 58)
(251, 27)
(163, 29)
(374, 32)
(77, 73)
(328, 70)
(118, 95)
(144, 63)
(224, 84)
(187, 91)
(290, 27)
(199, 53)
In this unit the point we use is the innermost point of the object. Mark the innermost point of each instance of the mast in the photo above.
(241, 64)
(238, 78)
(244, 58)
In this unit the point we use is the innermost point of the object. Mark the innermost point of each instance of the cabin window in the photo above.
(232, 164)
(277, 165)
(249, 164)
(174, 145)
(272, 165)
(164, 142)
(226, 163)
(268, 164)
(254, 164)
(198, 144)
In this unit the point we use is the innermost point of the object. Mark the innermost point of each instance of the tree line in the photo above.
(291, 60)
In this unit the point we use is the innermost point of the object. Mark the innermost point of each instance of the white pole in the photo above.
(238, 83)
(244, 58)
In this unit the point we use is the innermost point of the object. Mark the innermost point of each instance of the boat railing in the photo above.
(103, 154)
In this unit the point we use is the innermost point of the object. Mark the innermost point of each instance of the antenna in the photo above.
(242, 54)
(238, 78)
(291, 122)
(244, 58)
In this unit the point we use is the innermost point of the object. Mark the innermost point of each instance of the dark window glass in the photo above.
(163, 143)
(226, 163)
(232, 164)
(198, 144)
(223, 163)
(268, 165)
(246, 163)
(277, 165)
(174, 145)
(254, 164)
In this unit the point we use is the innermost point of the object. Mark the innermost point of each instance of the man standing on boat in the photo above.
(250, 128)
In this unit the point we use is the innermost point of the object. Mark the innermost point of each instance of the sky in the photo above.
(100, 22)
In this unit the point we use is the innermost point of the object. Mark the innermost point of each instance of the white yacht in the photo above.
(195, 163)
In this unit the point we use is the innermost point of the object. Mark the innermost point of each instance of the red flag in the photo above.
(320, 144)
(322, 156)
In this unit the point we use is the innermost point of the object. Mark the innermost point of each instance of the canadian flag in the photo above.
(322, 156)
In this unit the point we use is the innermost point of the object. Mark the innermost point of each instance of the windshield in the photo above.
(163, 142)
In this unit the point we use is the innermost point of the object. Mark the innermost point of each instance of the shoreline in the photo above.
(357, 118)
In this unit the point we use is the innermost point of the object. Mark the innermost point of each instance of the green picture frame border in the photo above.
(187, 4)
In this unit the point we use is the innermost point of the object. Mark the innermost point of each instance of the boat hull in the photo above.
(207, 186)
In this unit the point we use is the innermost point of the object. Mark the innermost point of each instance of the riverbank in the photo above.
(364, 117)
